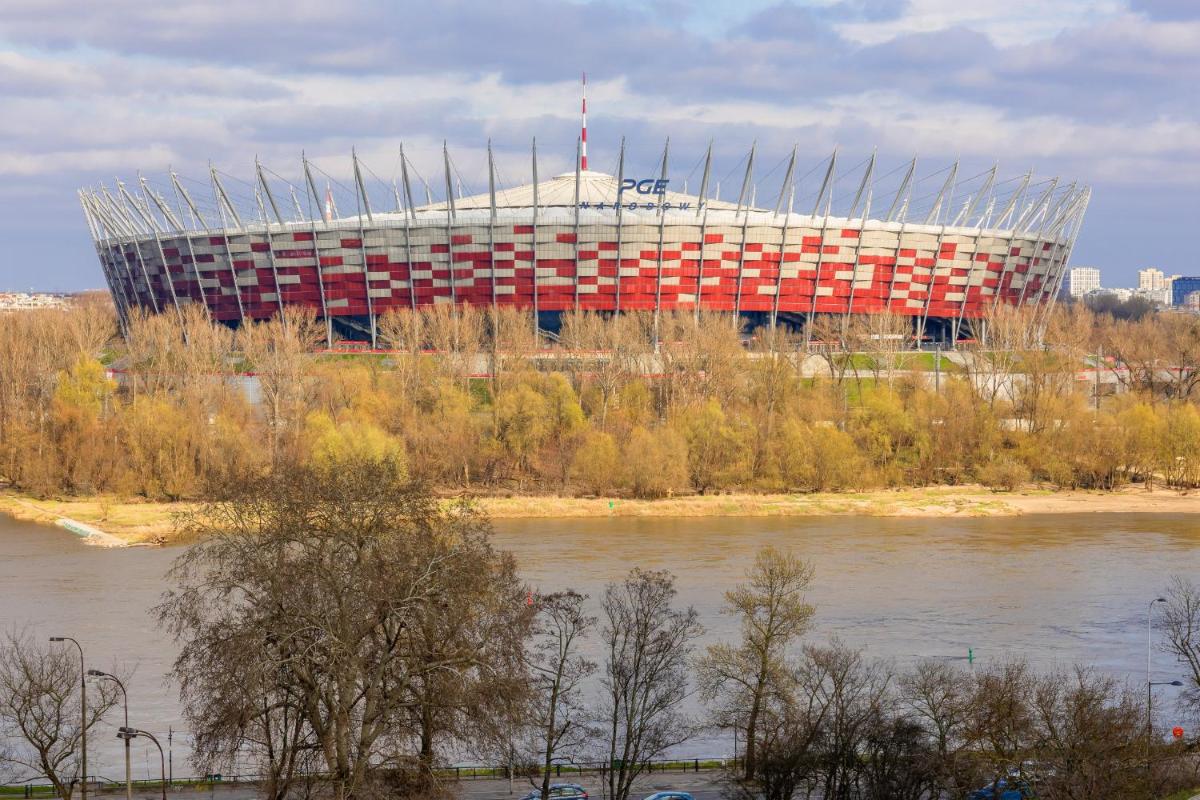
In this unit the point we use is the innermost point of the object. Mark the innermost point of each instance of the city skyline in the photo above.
(1095, 91)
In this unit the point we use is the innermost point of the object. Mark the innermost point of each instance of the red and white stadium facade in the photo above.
(592, 241)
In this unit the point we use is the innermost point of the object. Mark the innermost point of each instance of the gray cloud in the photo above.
(91, 91)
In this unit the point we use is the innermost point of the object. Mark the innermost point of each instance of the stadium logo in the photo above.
(645, 186)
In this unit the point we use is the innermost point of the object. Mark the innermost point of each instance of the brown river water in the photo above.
(1055, 589)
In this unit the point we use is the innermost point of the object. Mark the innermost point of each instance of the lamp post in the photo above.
(82, 711)
(1149, 700)
(95, 673)
(128, 733)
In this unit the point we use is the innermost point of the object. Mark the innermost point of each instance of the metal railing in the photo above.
(103, 784)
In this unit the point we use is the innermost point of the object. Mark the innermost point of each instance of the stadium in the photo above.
(937, 249)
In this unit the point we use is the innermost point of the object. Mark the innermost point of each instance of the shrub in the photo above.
(1003, 474)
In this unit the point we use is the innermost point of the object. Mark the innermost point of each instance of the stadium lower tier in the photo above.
(338, 270)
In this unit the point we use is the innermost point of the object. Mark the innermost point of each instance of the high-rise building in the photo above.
(1181, 287)
(1152, 279)
(1084, 280)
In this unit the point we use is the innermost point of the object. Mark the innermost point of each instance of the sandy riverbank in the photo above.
(137, 522)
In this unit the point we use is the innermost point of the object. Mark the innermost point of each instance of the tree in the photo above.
(828, 335)
(40, 716)
(608, 350)
(522, 419)
(565, 425)
(596, 465)
(404, 333)
(279, 350)
(1000, 722)
(849, 695)
(336, 579)
(897, 759)
(700, 359)
(512, 339)
(773, 613)
(655, 463)
(559, 671)
(1181, 621)
(648, 643)
(773, 382)
(456, 333)
(937, 695)
(889, 338)
(1091, 738)
(713, 446)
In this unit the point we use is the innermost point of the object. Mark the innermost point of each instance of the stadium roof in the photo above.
(595, 188)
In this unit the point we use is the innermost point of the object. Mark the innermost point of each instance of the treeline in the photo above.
(629, 405)
(344, 634)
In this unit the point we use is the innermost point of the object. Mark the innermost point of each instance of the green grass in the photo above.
(1186, 794)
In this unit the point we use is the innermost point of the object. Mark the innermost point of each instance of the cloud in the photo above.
(1093, 89)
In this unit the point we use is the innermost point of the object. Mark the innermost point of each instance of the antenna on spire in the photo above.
(583, 133)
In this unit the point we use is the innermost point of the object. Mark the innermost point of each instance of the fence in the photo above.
(103, 785)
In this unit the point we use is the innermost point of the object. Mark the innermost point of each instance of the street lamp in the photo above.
(1149, 700)
(82, 711)
(95, 673)
(128, 733)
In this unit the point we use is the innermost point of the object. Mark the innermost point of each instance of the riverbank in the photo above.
(146, 522)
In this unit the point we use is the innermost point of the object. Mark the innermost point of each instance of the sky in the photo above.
(1104, 92)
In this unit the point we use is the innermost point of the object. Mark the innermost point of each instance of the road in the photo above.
(702, 785)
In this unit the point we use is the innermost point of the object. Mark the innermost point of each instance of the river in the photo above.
(1055, 589)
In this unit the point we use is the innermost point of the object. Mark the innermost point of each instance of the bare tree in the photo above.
(511, 343)
(245, 708)
(648, 643)
(852, 694)
(559, 671)
(700, 358)
(1181, 622)
(279, 351)
(404, 334)
(609, 351)
(1091, 739)
(937, 695)
(773, 613)
(828, 337)
(457, 335)
(888, 336)
(332, 577)
(40, 713)
(91, 323)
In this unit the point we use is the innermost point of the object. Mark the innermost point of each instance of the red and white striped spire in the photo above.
(583, 133)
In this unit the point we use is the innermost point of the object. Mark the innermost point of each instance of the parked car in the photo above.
(669, 794)
(560, 791)
(1004, 790)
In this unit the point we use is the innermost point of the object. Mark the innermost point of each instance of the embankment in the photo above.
(144, 522)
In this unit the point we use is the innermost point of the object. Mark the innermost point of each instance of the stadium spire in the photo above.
(583, 130)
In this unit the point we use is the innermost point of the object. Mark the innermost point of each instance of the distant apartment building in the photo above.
(1151, 279)
(1154, 285)
(1083, 280)
(26, 301)
(1121, 293)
